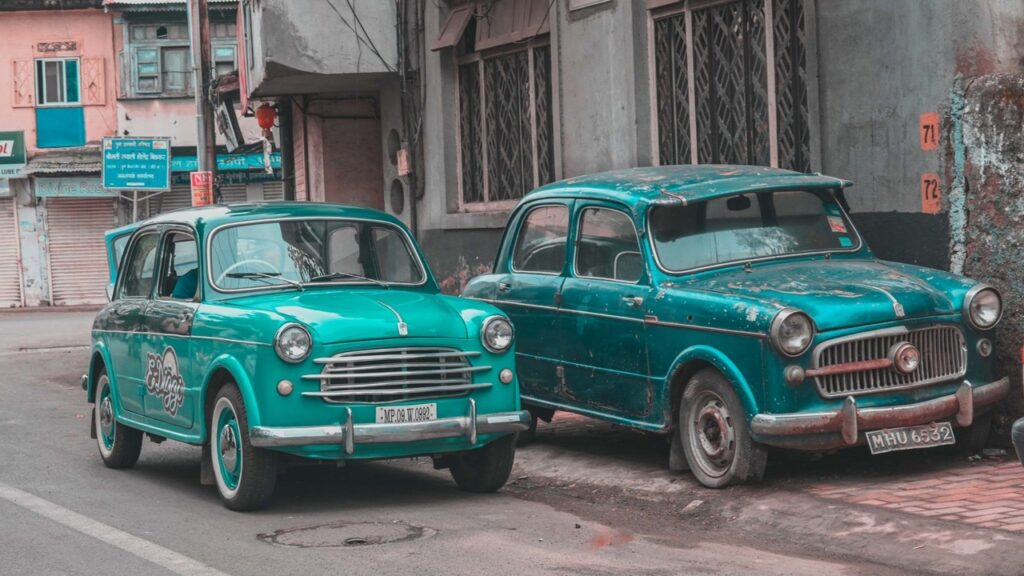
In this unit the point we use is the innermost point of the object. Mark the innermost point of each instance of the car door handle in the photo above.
(504, 286)
(633, 301)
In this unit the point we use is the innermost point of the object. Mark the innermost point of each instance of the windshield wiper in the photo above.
(266, 276)
(336, 275)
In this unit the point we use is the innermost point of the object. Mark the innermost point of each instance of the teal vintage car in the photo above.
(302, 329)
(734, 308)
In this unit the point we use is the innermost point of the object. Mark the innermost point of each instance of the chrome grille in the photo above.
(943, 358)
(396, 374)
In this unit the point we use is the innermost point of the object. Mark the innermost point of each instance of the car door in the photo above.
(123, 320)
(170, 386)
(528, 291)
(604, 300)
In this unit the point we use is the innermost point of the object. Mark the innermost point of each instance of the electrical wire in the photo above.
(373, 46)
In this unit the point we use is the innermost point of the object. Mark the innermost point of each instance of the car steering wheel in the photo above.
(240, 263)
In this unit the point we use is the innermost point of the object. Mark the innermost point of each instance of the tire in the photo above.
(245, 475)
(485, 469)
(530, 434)
(715, 435)
(119, 445)
(974, 438)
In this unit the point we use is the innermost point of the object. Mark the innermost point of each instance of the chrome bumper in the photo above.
(850, 420)
(351, 434)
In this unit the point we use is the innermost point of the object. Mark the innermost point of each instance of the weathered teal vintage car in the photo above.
(305, 329)
(734, 308)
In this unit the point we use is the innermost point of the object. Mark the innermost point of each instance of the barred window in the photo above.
(505, 125)
(718, 69)
(158, 61)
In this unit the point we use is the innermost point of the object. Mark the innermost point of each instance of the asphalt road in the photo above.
(63, 512)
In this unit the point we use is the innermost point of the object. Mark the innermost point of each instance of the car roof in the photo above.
(637, 187)
(218, 214)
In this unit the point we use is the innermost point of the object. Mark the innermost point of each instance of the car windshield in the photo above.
(303, 252)
(749, 226)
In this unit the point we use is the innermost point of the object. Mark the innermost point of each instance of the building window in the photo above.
(718, 69)
(161, 61)
(505, 125)
(57, 82)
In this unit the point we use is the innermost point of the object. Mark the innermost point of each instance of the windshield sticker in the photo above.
(163, 380)
(837, 225)
(845, 242)
(832, 209)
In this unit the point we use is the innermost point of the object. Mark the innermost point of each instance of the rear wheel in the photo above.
(245, 475)
(715, 435)
(485, 469)
(119, 445)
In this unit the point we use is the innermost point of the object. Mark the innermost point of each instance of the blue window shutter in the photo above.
(60, 127)
(71, 81)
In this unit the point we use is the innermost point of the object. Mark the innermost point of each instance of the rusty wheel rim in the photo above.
(712, 437)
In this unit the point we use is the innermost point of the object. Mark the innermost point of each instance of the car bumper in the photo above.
(845, 427)
(349, 435)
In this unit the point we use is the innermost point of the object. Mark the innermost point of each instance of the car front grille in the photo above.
(396, 374)
(943, 358)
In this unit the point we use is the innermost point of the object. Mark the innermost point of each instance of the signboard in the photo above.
(202, 188)
(137, 163)
(12, 153)
(71, 187)
(227, 162)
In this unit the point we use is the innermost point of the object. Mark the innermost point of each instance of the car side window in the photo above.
(179, 269)
(138, 275)
(540, 246)
(607, 246)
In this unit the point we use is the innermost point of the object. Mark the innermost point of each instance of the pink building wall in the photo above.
(91, 31)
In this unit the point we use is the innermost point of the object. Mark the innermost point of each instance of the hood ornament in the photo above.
(403, 328)
(896, 306)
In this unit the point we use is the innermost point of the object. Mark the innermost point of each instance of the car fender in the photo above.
(241, 379)
(724, 365)
(99, 347)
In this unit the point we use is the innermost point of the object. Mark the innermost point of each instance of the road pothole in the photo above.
(347, 534)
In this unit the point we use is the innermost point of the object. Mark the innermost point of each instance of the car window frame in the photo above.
(521, 224)
(858, 246)
(578, 230)
(165, 236)
(411, 245)
(129, 252)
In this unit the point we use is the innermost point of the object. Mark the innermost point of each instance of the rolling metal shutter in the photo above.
(179, 196)
(233, 194)
(273, 191)
(78, 255)
(10, 255)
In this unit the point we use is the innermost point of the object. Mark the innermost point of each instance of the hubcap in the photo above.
(712, 437)
(228, 448)
(105, 417)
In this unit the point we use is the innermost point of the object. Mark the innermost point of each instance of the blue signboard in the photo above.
(227, 162)
(137, 163)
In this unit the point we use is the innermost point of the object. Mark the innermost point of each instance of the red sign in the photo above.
(931, 201)
(202, 188)
(929, 131)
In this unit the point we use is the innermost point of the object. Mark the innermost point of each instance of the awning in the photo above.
(497, 23)
(85, 160)
(163, 5)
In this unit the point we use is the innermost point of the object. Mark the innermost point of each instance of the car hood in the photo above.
(348, 315)
(839, 293)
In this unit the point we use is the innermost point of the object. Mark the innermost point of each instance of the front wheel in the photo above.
(119, 445)
(715, 435)
(245, 475)
(485, 469)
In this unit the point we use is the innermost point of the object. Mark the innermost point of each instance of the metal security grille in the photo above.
(77, 253)
(396, 374)
(717, 70)
(506, 123)
(943, 358)
(10, 256)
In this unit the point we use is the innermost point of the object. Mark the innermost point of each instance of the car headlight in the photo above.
(293, 343)
(792, 332)
(497, 334)
(983, 307)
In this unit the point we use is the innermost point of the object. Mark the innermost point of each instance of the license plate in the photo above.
(406, 414)
(910, 438)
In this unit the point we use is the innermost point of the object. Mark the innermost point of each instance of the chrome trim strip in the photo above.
(211, 236)
(441, 372)
(351, 435)
(654, 321)
(416, 356)
(161, 334)
(400, 392)
(370, 385)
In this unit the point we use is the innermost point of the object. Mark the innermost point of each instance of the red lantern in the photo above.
(265, 117)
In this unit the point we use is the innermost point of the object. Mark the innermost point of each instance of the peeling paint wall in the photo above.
(990, 156)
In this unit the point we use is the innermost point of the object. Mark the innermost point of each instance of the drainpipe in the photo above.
(408, 125)
(284, 107)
